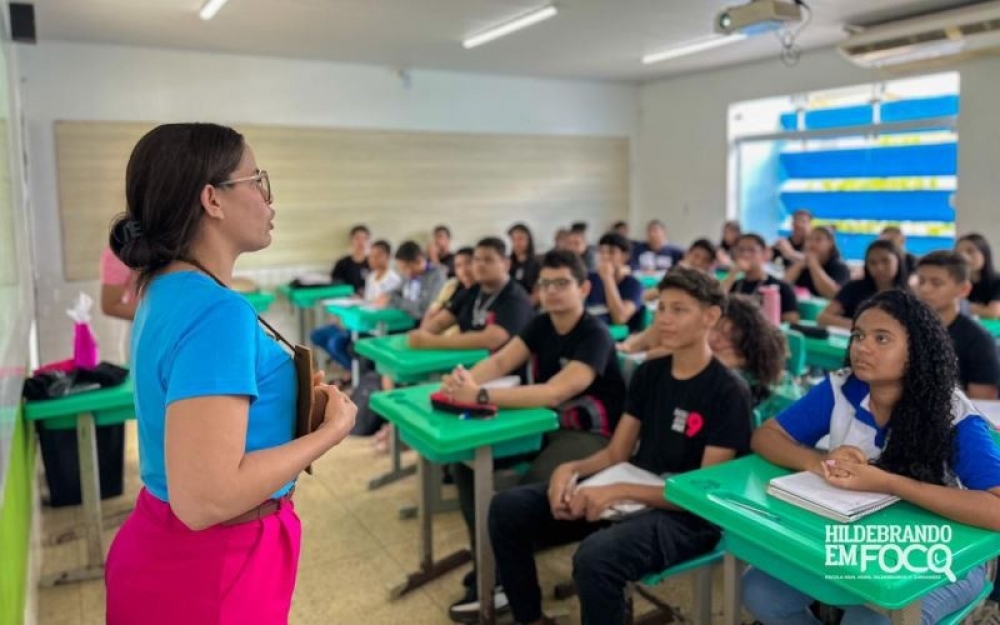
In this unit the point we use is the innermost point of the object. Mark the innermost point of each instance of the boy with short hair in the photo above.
(576, 373)
(942, 283)
(685, 411)
(488, 314)
(615, 295)
(353, 268)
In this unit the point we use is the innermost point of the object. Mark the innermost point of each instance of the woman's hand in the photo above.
(858, 476)
(338, 414)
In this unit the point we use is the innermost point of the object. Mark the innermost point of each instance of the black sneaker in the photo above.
(466, 609)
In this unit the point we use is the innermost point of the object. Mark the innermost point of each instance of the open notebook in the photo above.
(810, 491)
(623, 473)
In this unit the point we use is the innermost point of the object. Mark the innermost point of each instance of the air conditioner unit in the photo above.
(940, 37)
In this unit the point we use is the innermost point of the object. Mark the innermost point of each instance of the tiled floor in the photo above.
(355, 549)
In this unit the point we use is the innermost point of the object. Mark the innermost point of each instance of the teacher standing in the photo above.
(214, 537)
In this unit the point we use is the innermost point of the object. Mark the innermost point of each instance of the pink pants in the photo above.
(160, 572)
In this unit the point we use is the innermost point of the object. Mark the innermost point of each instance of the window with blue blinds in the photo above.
(859, 183)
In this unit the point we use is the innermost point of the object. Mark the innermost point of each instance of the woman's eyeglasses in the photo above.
(261, 181)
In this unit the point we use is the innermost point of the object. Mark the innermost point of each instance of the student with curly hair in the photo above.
(899, 425)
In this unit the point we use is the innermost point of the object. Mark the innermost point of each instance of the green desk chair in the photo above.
(701, 569)
(796, 361)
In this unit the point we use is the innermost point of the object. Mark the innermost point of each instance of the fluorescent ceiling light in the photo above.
(211, 8)
(509, 27)
(692, 47)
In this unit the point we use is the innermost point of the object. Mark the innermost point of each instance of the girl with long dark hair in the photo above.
(898, 425)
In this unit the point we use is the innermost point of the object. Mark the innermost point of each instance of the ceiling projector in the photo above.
(757, 16)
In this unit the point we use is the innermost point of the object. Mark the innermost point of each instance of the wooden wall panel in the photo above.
(400, 183)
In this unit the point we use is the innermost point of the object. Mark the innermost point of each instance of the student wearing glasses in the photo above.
(575, 372)
(750, 258)
(682, 412)
(214, 537)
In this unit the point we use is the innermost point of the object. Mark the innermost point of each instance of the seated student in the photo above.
(615, 296)
(749, 258)
(701, 255)
(524, 265)
(731, 232)
(885, 269)
(488, 314)
(439, 250)
(575, 372)
(560, 240)
(943, 282)
(453, 288)
(984, 299)
(380, 284)
(576, 242)
(685, 411)
(353, 268)
(743, 340)
(787, 252)
(896, 236)
(620, 227)
(422, 281)
(821, 272)
(655, 253)
(897, 425)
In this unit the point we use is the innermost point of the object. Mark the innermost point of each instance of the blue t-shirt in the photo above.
(629, 289)
(646, 258)
(838, 407)
(194, 338)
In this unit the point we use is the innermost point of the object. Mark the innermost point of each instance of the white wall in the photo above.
(682, 152)
(90, 82)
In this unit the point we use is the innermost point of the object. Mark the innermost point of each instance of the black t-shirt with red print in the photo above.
(681, 417)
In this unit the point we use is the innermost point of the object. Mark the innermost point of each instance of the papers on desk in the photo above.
(597, 310)
(623, 473)
(838, 331)
(343, 302)
(990, 410)
(811, 492)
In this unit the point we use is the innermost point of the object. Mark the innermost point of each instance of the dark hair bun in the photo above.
(134, 248)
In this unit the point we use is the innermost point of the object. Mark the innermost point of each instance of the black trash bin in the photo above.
(62, 464)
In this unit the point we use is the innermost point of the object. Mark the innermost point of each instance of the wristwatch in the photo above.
(483, 396)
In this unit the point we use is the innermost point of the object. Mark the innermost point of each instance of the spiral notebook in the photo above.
(810, 491)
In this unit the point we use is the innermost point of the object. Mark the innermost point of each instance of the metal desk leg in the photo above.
(438, 503)
(90, 489)
(732, 580)
(910, 615)
(355, 363)
(484, 549)
(429, 569)
(398, 470)
(702, 581)
(303, 337)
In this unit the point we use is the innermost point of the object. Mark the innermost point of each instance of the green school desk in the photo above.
(441, 438)
(828, 354)
(367, 319)
(260, 300)
(405, 365)
(304, 300)
(992, 326)
(649, 280)
(789, 542)
(84, 412)
(810, 308)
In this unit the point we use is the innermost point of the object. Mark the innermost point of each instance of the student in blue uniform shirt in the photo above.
(898, 425)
